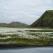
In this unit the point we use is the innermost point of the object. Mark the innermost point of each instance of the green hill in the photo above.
(14, 24)
(46, 20)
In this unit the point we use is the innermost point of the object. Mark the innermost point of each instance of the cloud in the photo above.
(26, 11)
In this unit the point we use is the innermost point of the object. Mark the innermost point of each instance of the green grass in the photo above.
(23, 41)
(44, 30)
(42, 40)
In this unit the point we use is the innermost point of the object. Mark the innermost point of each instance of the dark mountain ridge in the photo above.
(14, 24)
(45, 21)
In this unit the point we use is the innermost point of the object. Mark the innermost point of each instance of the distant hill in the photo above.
(14, 24)
(46, 20)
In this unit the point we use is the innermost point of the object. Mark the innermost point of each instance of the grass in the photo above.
(43, 39)
(25, 41)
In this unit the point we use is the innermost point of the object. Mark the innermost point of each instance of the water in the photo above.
(24, 50)
(29, 50)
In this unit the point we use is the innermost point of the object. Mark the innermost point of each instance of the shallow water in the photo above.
(28, 50)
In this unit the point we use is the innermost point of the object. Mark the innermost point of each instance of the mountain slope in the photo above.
(14, 24)
(46, 20)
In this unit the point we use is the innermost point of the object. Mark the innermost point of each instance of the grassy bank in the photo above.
(25, 41)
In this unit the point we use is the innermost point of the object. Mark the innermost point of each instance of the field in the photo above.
(26, 36)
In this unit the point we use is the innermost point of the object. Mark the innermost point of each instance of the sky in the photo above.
(25, 11)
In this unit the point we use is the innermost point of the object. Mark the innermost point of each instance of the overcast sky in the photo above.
(26, 11)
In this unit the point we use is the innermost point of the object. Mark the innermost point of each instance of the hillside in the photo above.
(46, 20)
(14, 24)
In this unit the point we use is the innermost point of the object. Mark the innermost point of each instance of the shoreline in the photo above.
(15, 46)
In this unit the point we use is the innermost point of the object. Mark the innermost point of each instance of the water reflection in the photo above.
(29, 50)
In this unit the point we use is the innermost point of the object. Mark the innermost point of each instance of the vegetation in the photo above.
(45, 21)
(14, 25)
(42, 40)
(31, 37)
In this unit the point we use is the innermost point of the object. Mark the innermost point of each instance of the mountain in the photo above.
(46, 20)
(14, 24)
